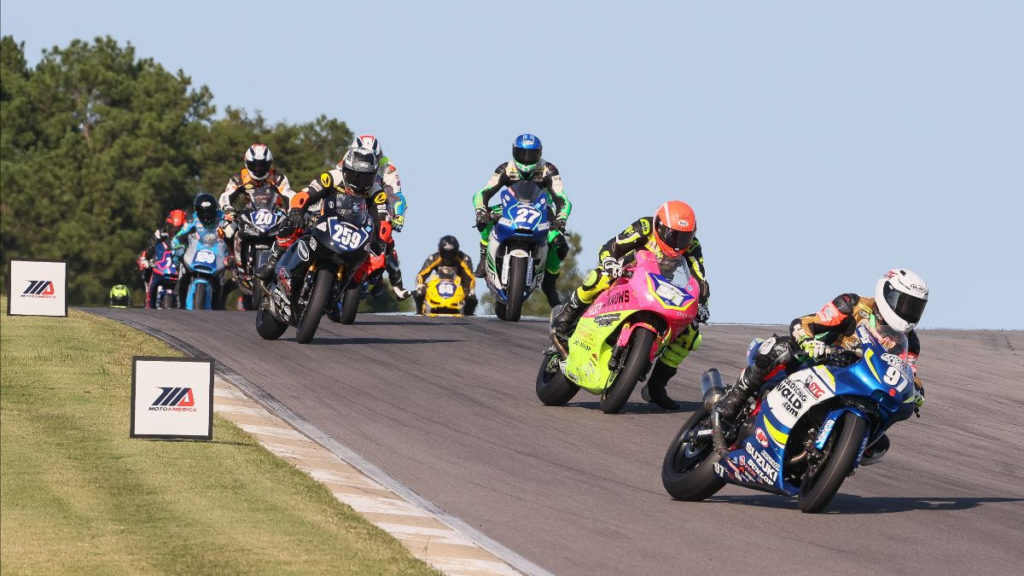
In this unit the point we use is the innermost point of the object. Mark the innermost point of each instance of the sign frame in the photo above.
(208, 435)
(10, 287)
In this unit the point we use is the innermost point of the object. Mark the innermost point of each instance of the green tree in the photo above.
(106, 152)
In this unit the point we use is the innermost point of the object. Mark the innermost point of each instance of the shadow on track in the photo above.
(639, 407)
(332, 341)
(852, 504)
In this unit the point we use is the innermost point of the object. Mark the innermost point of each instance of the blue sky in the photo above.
(819, 143)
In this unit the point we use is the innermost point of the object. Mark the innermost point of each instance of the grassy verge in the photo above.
(78, 496)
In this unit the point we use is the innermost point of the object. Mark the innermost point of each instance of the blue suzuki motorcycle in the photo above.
(517, 248)
(205, 259)
(802, 434)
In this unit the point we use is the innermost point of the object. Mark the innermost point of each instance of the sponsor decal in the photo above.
(764, 467)
(762, 438)
(174, 399)
(607, 319)
(815, 389)
(892, 360)
(325, 180)
(793, 397)
(380, 198)
(38, 289)
(303, 251)
(620, 297)
(825, 431)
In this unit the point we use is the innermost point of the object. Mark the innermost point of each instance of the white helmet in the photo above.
(368, 141)
(900, 296)
(258, 160)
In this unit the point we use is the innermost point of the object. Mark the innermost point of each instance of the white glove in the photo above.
(612, 266)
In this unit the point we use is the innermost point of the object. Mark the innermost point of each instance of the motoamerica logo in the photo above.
(174, 399)
(39, 289)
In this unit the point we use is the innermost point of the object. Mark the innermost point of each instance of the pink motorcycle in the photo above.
(616, 341)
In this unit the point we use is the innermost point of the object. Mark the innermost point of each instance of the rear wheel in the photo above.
(257, 295)
(314, 311)
(350, 305)
(638, 358)
(840, 452)
(515, 292)
(688, 470)
(553, 388)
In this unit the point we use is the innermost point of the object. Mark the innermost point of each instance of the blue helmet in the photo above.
(526, 152)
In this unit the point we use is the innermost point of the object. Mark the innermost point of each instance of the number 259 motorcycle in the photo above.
(802, 434)
(620, 334)
(316, 269)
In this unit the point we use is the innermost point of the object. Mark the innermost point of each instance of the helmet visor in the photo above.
(906, 306)
(528, 156)
(258, 168)
(676, 239)
(359, 180)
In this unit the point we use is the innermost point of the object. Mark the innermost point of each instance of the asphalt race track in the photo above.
(447, 407)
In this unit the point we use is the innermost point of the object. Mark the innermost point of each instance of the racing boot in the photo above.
(748, 383)
(875, 451)
(481, 266)
(654, 390)
(562, 320)
(266, 272)
(548, 287)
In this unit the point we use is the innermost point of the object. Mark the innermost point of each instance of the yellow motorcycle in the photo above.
(444, 294)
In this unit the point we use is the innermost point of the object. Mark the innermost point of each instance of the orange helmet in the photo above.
(674, 227)
(177, 218)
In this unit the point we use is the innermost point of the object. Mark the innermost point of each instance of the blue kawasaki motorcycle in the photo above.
(802, 434)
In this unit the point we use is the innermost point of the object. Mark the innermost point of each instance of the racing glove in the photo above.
(703, 314)
(397, 223)
(483, 218)
(612, 267)
(293, 221)
(814, 349)
(560, 224)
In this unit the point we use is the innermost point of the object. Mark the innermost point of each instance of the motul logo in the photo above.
(174, 399)
(39, 289)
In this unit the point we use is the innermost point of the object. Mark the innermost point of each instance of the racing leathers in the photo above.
(389, 181)
(463, 268)
(236, 186)
(622, 248)
(810, 337)
(547, 177)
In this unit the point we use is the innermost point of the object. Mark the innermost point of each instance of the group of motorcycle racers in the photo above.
(669, 234)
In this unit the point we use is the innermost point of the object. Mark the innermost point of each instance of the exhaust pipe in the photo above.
(711, 388)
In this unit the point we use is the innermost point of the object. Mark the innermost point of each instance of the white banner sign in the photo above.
(172, 398)
(38, 288)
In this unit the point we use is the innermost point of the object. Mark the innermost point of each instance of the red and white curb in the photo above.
(406, 517)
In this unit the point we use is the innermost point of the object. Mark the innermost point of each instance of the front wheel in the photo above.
(688, 471)
(199, 297)
(314, 311)
(515, 291)
(553, 388)
(839, 454)
(638, 357)
(350, 305)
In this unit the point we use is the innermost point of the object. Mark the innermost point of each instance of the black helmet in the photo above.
(206, 208)
(359, 169)
(448, 247)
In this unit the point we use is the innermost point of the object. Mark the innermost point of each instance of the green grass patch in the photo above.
(77, 495)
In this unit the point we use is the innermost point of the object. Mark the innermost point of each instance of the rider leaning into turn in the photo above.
(899, 301)
(671, 236)
(527, 164)
(258, 171)
(448, 254)
(355, 175)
